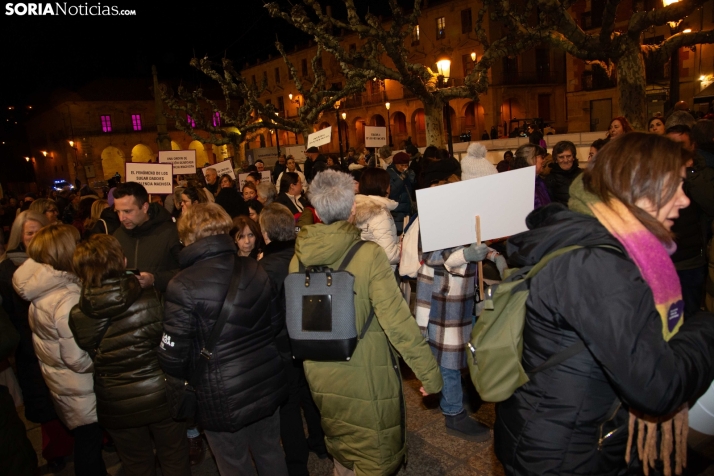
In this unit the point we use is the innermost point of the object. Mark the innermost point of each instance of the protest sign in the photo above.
(297, 151)
(447, 212)
(323, 136)
(184, 161)
(375, 136)
(225, 167)
(264, 178)
(156, 178)
(269, 155)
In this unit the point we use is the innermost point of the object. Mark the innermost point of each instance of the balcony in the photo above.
(519, 78)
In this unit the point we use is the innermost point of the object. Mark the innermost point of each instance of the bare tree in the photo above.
(388, 40)
(611, 46)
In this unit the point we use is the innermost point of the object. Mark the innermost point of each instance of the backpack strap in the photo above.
(560, 357)
(351, 254)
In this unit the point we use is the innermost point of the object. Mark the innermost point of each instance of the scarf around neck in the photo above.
(648, 253)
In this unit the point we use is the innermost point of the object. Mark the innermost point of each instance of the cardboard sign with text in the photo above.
(321, 137)
(264, 178)
(156, 178)
(375, 136)
(447, 213)
(184, 161)
(225, 167)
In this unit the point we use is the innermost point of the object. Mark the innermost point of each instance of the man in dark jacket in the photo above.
(278, 227)
(147, 235)
(401, 187)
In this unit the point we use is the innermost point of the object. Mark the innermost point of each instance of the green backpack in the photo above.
(496, 346)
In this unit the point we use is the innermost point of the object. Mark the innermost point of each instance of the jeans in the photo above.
(260, 439)
(136, 449)
(451, 399)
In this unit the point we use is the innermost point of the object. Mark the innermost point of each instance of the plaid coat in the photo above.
(445, 303)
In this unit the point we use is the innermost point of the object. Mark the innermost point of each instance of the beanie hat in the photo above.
(312, 149)
(401, 158)
(475, 164)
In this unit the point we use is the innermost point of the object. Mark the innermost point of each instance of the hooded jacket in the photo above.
(401, 188)
(67, 369)
(596, 295)
(373, 218)
(244, 380)
(558, 181)
(119, 325)
(153, 246)
(361, 400)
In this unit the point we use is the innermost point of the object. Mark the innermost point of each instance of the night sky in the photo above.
(41, 53)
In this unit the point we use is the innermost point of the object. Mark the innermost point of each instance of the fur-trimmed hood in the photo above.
(369, 206)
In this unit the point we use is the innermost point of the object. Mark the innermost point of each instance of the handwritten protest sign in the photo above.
(184, 161)
(447, 212)
(375, 136)
(264, 178)
(323, 136)
(156, 178)
(225, 167)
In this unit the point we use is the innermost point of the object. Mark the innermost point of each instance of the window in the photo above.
(441, 28)
(106, 123)
(190, 121)
(353, 48)
(253, 79)
(415, 35)
(277, 75)
(265, 77)
(136, 121)
(303, 66)
(281, 104)
(216, 119)
(466, 24)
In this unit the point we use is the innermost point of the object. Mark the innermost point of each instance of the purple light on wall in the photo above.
(190, 120)
(106, 123)
(216, 119)
(136, 121)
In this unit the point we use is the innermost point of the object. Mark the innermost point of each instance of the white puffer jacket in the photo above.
(67, 369)
(373, 217)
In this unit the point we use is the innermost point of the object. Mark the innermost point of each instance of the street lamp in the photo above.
(443, 65)
(347, 130)
(277, 136)
(389, 127)
(339, 135)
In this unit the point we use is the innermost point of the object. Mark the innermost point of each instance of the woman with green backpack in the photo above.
(621, 402)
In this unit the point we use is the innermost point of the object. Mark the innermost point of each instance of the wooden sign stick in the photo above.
(480, 263)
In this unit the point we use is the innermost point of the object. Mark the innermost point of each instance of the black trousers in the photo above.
(88, 450)
(292, 433)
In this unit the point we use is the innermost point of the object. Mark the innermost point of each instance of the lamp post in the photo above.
(389, 127)
(339, 136)
(277, 136)
(297, 110)
(347, 131)
(673, 61)
(443, 64)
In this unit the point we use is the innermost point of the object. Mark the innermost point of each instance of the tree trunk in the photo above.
(631, 85)
(434, 119)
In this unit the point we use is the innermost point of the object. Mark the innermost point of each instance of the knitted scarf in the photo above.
(657, 269)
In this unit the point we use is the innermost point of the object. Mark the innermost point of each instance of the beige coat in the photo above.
(67, 369)
(373, 218)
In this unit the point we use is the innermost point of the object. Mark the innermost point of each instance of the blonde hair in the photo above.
(54, 245)
(42, 205)
(202, 220)
(16, 232)
(100, 257)
(97, 207)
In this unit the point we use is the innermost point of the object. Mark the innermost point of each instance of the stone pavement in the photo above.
(431, 451)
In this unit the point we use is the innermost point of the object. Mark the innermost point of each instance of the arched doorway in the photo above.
(175, 146)
(472, 120)
(378, 121)
(201, 154)
(359, 131)
(399, 128)
(419, 128)
(113, 162)
(142, 153)
(511, 109)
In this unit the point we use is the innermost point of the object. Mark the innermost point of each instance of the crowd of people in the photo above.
(122, 304)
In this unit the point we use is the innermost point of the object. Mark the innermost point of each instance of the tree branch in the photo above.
(640, 21)
(662, 52)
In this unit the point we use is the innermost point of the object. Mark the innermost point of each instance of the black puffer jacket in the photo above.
(558, 182)
(244, 381)
(276, 261)
(553, 424)
(128, 381)
(152, 247)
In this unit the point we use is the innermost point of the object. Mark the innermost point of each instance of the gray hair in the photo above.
(267, 191)
(277, 221)
(680, 118)
(525, 155)
(332, 194)
(17, 226)
(385, 151)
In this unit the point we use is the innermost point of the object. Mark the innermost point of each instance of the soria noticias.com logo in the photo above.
(65, 9)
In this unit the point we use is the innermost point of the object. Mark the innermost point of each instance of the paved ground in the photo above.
(431, 451)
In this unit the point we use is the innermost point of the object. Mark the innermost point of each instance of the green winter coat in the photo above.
(361, 401)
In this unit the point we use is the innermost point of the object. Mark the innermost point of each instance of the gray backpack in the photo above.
(320, 311)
